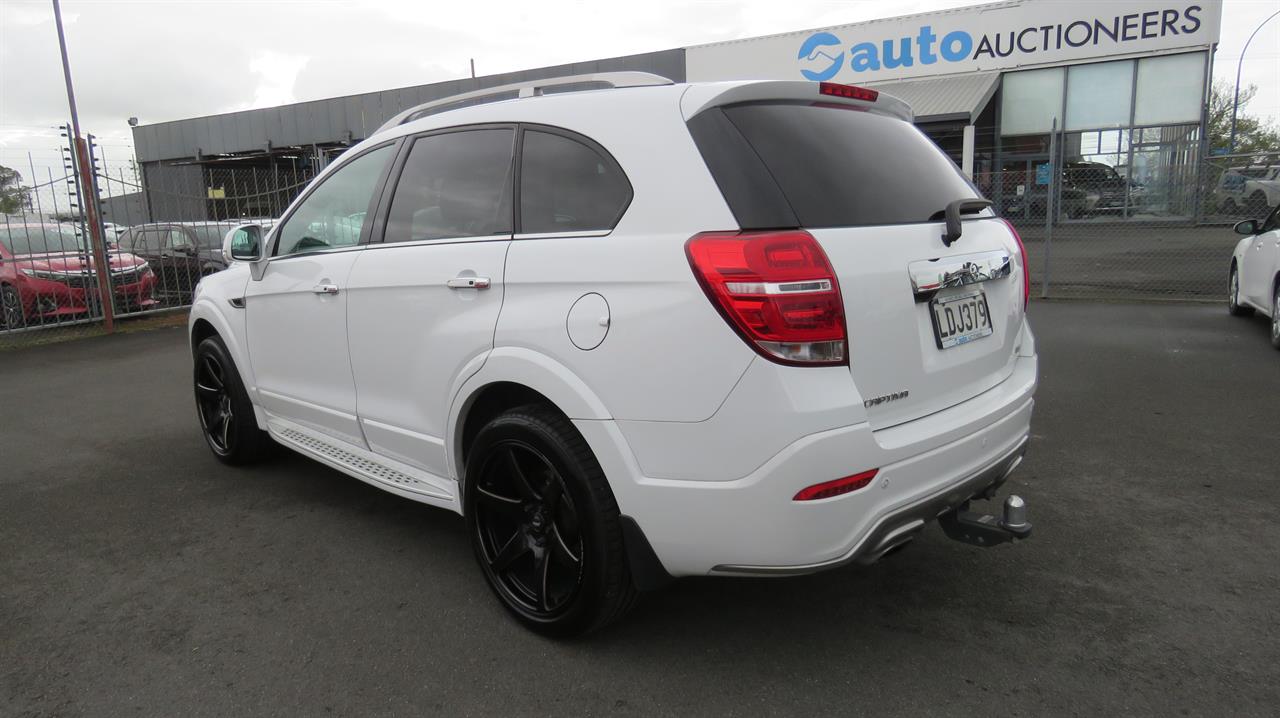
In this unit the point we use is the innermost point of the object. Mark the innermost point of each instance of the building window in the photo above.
(1031, 100)
(1170, 89)
(1099, 95)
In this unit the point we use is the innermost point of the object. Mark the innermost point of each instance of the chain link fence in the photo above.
(1093, 233)
(1090, 232)
(162, 226)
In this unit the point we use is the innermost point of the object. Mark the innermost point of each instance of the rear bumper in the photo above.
(901, 525)
(752, 525)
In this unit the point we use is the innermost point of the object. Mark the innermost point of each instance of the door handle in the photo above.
(325, 289)
(468, 283)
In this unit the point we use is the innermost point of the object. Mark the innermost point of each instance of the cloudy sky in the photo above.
(169, 59)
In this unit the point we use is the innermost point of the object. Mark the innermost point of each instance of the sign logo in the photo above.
(816, 50)
(822, 54)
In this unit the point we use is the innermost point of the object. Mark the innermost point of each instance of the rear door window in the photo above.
(455, 184)
(825, 166)
(568, 185)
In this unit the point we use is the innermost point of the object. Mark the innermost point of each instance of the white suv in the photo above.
(652, 330)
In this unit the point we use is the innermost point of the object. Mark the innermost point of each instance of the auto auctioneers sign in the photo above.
(983, 37)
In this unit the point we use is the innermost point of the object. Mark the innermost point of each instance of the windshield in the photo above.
(39, 238)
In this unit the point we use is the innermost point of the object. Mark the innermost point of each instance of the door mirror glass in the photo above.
(243, 244)
(1248, 227)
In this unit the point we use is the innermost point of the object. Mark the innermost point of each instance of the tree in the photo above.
(1252, 134)
(13, 196)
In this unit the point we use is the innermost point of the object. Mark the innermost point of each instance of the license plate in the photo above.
(960, 319)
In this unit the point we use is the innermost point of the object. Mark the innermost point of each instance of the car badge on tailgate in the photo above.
(885, 399)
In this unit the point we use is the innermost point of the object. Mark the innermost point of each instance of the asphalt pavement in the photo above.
(138, 576)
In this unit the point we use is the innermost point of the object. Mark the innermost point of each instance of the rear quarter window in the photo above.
(566, 185)
(816, 165)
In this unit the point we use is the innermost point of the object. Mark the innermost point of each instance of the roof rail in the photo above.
(522, 89)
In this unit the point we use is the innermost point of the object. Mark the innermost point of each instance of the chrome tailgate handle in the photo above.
(468, 283)
(930, 275)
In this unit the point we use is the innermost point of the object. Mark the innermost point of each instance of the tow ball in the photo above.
(984, 529)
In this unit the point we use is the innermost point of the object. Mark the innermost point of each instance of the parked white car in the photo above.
(1255, 271)
(657, 330)
(1249, 190)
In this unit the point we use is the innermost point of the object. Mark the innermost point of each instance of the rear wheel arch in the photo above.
(485, 404)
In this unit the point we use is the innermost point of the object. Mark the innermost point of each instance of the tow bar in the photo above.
(984, 529)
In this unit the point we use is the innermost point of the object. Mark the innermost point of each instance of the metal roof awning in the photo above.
(942, 99)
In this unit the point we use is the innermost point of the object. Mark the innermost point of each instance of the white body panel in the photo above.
(298, 342)
(703, 440)
(1258, 260)
(412, 337)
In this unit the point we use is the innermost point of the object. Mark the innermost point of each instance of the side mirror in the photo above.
(1248, 227)
(243, 244)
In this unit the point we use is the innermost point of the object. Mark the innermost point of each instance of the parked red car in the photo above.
(46, 273)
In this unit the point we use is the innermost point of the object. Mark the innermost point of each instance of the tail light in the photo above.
(839, 487)
(1026, 269)
(777, 290)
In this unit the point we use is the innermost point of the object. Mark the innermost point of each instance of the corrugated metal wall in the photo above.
(330, 121)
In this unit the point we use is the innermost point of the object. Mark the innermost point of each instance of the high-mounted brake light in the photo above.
(828, 489)
(777, 290)
(1026, 269)
(852, 92)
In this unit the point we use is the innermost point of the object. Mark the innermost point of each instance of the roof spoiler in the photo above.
(714, 94)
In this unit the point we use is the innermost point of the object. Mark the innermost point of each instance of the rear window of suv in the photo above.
(791, 164)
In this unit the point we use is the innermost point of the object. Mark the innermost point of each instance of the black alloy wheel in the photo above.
(544, 523)
(217, 416)
(226, 414)
(528, 529)
(12, 315)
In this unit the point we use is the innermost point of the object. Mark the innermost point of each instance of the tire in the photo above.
(1275, 316)
(1229, 207)
(544, 524)
(12, 315)
(1234, 308)
(223, 407)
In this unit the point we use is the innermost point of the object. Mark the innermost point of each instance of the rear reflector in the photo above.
(828, 489)
(852, 92)
(1026, 269)
(777, 290)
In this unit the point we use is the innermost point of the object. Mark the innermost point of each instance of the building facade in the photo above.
(1113, 93)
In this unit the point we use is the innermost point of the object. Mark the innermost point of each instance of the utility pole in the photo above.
(473, 68)
(1235, 104)
(89, 202)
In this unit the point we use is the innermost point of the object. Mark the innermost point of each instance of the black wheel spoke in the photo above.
(515, 547)
(562, 547)
(551, 495)
(226, 431)
(518, 476)
(500, 504)
(212, 374)
(207, 391)
(542, 569)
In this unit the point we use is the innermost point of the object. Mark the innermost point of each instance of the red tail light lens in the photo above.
(777, 290)
(828, 489)
(1026, 269)
(852, 92)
